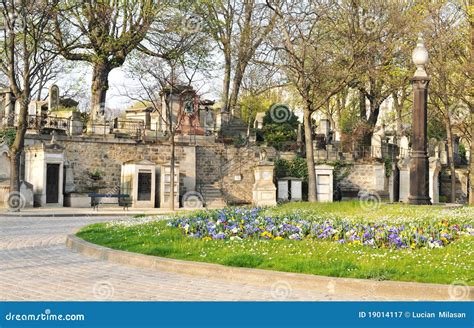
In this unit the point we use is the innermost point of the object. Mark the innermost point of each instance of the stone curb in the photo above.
(63, 215)
(281, 282)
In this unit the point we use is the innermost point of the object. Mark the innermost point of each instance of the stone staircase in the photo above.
(212, 195)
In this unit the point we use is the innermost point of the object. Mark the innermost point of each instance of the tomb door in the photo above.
(144, 186)
(52, 183)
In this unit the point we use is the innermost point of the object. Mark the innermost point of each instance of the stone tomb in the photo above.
(324, 183)
(290, 189)
(138, 179)
(264, 191)
(44, 169)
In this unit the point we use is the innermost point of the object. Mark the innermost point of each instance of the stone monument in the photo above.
(324, 183)
(264, 191)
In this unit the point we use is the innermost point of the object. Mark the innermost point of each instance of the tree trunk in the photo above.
(227, 73)
(451, 158)
(471, 73)
(362, 106)
(471, 161)
(237, 82)
(14, 203)
(374, 112)
(100, 85)
(172, 172)
(308, 135)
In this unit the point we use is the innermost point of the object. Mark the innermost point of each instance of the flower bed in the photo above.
(244, 223)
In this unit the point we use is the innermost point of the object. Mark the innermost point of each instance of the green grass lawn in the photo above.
(449, 264)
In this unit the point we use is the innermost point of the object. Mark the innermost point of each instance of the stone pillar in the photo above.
(419, 168)
(404, 179)
(435, 168)
(324, 183)
(264, 191)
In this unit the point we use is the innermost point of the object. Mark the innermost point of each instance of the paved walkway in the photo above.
(36, 265)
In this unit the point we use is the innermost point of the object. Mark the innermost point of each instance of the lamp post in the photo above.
(419, 166)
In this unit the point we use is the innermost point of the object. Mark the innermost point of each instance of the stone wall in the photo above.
(369, 177)
(229, 169)
(462, 177)
(87, 155)
(225, 167)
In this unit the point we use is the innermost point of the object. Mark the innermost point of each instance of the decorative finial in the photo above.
(420, 57)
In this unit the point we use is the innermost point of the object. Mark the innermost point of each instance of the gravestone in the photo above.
(404, 147)
(26, 190)
(443, 154)
(376, 146)
(324, 127)
(53, 98)
(324, 183)
(4, 162)
(435, 169)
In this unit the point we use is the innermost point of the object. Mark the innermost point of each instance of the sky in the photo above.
(121, 84)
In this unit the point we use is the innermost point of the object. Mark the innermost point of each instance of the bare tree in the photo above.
(25, 54)
(377, 33)
(238, 27)
(448, 81)
(102, 33)
(172, 59)
(310, 53)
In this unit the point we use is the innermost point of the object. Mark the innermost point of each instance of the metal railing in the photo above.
(45, 122)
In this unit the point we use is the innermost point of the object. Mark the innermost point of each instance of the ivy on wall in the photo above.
(295, 168)
(7, 135)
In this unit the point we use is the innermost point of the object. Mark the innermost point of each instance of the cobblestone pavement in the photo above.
(35, 265)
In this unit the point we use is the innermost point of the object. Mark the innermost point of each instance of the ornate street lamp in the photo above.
(419, 166)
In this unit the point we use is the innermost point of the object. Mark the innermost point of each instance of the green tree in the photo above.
(280, 134)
